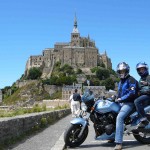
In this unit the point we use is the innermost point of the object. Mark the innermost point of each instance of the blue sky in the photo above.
(121, 27)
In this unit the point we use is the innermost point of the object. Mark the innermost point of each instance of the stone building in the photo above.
(80, 52)
(67, 90)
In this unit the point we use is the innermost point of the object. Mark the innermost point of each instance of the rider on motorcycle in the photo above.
(127, 92)
(110, 117)
(144, 98)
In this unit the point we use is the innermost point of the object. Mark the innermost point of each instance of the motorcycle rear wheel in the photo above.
(71, 135)
(142, 137)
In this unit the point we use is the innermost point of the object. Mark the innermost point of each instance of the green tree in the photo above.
(14, 88)
(79, 71)
(113, 72)
(102, 74)
(57, 64)
(6, 91)
(94, 69)
(34, 73)
(66, 80)
(67, 69)
(96, 81)
(108, 83)
(53, 80)
(22, 77)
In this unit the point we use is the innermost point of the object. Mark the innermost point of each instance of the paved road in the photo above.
(90, 143)
(52, 139)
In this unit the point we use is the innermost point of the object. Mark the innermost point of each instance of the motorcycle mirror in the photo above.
(113, 97)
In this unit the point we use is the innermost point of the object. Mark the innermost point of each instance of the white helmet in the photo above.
(123, 70)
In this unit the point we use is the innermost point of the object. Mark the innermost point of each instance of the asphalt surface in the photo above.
(129, 143)
(50, 138)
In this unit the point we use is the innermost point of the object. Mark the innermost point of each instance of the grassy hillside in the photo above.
(34, 91)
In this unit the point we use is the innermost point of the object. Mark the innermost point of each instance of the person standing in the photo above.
(75, 100)
(127, 92)
(144, 98)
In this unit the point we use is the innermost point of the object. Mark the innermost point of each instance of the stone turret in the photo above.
(104, 59)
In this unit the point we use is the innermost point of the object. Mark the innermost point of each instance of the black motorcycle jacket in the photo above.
(144, 85)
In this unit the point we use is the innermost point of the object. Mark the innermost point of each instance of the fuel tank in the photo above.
(104, 106)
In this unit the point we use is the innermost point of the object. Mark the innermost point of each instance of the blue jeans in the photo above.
(140, 102)
(124, 111)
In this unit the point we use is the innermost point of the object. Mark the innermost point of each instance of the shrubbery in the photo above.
(34, 73)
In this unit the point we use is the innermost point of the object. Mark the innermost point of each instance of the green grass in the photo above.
(34, 109)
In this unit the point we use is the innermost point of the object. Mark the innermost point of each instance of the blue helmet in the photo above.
(123, 70)
(142, 65)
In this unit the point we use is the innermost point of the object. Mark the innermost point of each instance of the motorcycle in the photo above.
(103, 114)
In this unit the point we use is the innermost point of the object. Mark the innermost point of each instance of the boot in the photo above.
(118, 147)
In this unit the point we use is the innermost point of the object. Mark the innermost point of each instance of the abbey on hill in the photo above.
(80, 52)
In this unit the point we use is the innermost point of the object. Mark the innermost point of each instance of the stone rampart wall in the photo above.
(13, 127)
(51, 89)
(25, 82)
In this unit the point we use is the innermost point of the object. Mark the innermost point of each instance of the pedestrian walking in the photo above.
(75, 100)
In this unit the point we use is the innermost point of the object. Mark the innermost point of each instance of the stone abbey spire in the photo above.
(75, 35)
(75, 29)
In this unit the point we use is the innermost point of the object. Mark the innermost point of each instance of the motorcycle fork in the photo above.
(83, 128)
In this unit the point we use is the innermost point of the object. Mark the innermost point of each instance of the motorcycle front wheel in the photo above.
(71, 135)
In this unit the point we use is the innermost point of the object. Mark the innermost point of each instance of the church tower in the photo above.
(75, 35)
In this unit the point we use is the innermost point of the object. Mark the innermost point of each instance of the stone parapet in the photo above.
(13, 127)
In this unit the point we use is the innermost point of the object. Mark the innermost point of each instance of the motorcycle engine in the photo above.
(110, 129)
(104, 123)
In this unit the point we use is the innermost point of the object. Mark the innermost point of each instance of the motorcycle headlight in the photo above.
(83, 107)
